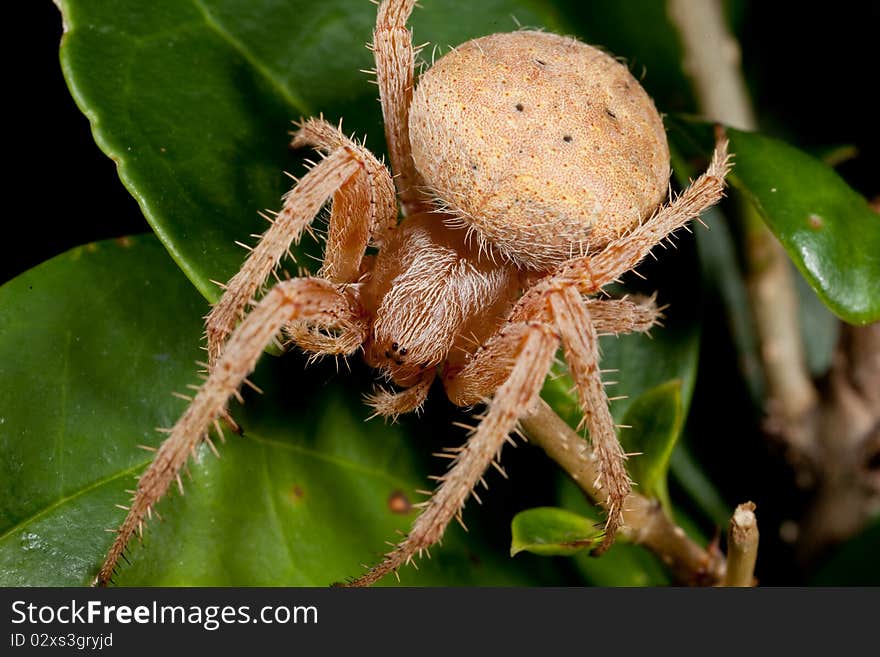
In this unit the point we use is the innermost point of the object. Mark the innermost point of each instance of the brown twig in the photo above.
(848, 461)
(711, 59)
(644, 521)
(742, 547)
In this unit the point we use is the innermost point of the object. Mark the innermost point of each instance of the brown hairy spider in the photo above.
(531, 170)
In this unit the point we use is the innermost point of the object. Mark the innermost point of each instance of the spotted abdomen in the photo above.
(545, 146)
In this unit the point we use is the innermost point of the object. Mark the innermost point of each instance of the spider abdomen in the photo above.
(546, 146)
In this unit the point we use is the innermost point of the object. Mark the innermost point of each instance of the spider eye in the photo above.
(394, 346)
(403, 351)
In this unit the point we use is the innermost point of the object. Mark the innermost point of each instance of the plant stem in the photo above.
(711, 59)
(742, 547)
(645, 522)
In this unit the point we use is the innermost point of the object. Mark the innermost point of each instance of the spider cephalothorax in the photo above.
(531, 169)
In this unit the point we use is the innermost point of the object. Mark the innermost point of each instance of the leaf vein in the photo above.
(64, 500)
(239, 47)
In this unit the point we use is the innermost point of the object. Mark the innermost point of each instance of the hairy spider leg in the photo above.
(395, 65)
(631, 315)
(390, 404)
(591, 273)
(610, 316)
(530, 347)
(311, 299)
(581, 343)
(366, 212)
(486, 370)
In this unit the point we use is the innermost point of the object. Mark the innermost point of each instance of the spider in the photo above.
(531, 171)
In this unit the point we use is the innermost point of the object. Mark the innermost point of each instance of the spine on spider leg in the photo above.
(282, 304)
(616, 316)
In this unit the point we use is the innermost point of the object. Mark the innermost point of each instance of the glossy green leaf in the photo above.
(91, 345)
(827, 228)
(549, 531)
(193, 99)
(654, 424)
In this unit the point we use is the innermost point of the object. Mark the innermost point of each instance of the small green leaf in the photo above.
(655, 419)
(549, 531)
(624, 564)
(826, 227)
(92, 343)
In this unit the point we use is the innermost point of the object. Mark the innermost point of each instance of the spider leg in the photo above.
(358, 182)
(344, 340)
(559, 294)
(623, 315)
(625, 253)
(489, 366)
(299, 298)
(533, 344)
(395, 63)
(580, 341)
(364, 209)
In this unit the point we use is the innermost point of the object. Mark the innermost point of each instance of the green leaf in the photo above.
(624, 564)
(193, 99)
(91, 345)
(826, 227)
(549, 531)
(655, 420)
